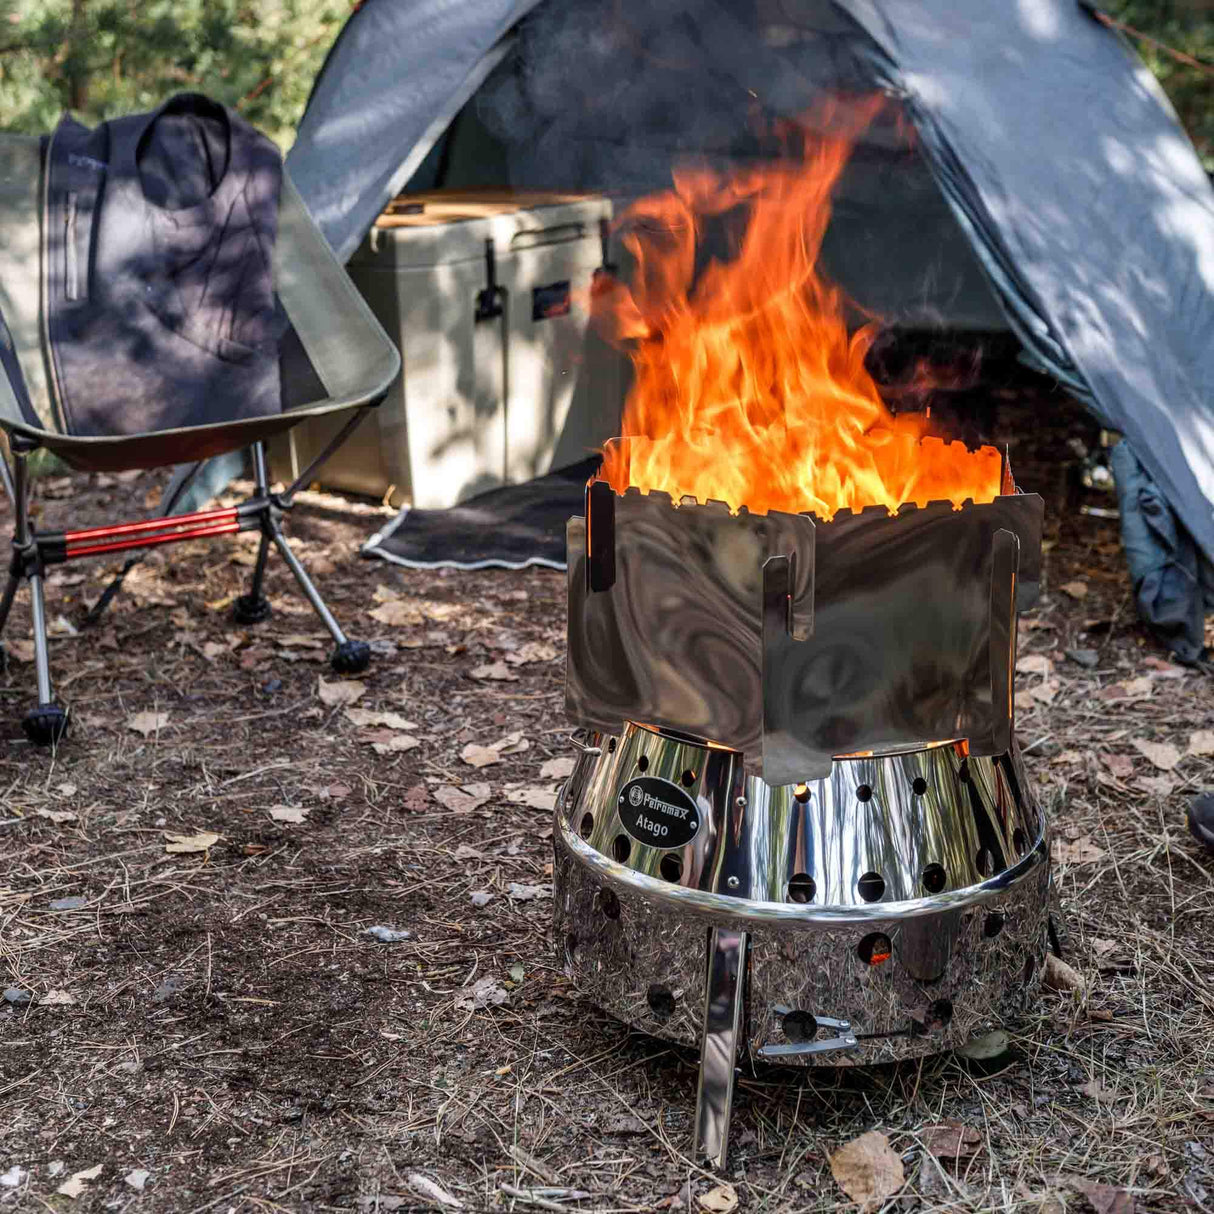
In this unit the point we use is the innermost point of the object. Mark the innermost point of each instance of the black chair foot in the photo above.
(251, 609)
(45, 725)
(351, 657)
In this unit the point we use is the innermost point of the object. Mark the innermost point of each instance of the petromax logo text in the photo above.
(658, 813)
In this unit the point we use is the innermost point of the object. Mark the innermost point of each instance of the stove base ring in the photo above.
(699, 952)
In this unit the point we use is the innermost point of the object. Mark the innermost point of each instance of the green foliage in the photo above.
(101, 58)
(1187, 26)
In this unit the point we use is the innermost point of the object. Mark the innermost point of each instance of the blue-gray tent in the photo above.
(1051, 190)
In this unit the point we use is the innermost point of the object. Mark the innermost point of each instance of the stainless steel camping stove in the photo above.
(798, 826)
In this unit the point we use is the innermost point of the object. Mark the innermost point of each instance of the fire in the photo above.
(748, 386)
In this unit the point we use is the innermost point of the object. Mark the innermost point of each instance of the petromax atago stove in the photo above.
(799, 827)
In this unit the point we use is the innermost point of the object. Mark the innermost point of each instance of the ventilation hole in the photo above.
(571, 949)
(643, 763)
(1030, 968)
(801, 792)
(993, 924)
(661, 1001)
(671, 867)
(871, 887)
(1020, 841)
(985, 861)
(802, 888)
(620, 848)
(934, 878)
(609, 904)
(864, 793)
(799, 1027)
(688, 778)
(939, 1013)
(587, 825)
(875, 949)
(611, 746)
(919, 786)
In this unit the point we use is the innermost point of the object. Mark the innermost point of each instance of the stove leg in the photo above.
(719, 1043)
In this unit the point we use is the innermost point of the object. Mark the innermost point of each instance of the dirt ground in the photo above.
(214, 1029)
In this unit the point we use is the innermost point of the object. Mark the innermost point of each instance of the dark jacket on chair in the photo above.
(157, 277)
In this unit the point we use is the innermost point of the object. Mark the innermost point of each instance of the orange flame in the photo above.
(748, 386)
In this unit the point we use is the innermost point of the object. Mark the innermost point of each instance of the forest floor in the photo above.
(210, 1025)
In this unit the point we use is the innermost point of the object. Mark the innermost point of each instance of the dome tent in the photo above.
(1052, 180)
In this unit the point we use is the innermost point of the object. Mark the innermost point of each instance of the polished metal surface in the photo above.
(877, 631)
(938, 856)
(720, 1042)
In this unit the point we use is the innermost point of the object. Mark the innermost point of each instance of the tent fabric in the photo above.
(1055, 148)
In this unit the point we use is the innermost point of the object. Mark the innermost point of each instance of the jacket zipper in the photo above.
(71, 286)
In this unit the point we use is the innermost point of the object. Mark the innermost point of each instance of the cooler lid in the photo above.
(442, 227)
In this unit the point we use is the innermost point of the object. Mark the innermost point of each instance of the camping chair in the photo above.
(335, 359)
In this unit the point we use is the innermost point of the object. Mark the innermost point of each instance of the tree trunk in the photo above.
(77, 59)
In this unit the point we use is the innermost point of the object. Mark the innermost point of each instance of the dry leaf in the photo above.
(1140, 688)
(1164, 755)
(340, 691)
(721, 1200)
(300, 641)
(288, 813)
(1122, 766)
(483, 756)
(1097, 1091)
(432, 1191)
(1059, 976)
(1157, 786)
(1105, 1199)
(868, 1170)
(389, 720)
(484, 993)
(214, 649)
(57, 998)
(557, 769)
(1044, 692)
(74, 1186)
(61, 626)
(479, 756)
(185, 845)
(512, 744)
(137, 1178)
(386, 742)
(526, 893)
(1101, 947)
(1068, 756)
(147, 723)
(495, 670)
(397, 613)
(533, 798)
(1031, 663)
(1082, 851)
(1075, 590)
(56, 815)
(1202, 742)
(532, 651)
(951, 1140)
(467, 797)
(481, 897)
(23, 651)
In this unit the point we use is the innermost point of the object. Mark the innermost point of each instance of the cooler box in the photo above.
(487, 296)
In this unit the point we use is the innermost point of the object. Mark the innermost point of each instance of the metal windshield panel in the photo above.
(793, 640)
